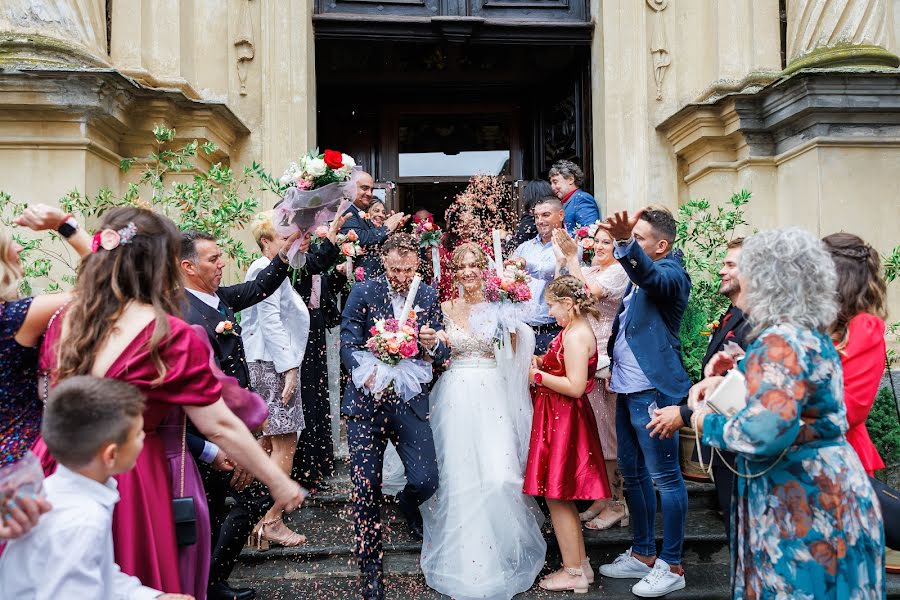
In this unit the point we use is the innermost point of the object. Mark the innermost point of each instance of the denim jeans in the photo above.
(641, 459)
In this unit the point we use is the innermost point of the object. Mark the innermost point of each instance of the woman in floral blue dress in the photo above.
(805, 521)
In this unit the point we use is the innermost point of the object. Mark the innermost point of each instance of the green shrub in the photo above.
(215, 200)
(884, 429)
(702, 235)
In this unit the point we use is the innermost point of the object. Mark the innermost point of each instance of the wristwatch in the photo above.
(68, 227)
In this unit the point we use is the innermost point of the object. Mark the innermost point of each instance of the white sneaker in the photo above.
(625, 567)
(658, 582)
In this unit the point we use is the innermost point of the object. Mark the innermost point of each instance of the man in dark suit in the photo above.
(647, 372)
(370, 237)
(211, 306)
(371, 422)
(732, 327)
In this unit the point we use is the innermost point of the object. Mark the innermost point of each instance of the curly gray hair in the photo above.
(567, 169)
(790, 279)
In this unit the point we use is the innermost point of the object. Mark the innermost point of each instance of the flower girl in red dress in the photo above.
(565, 460)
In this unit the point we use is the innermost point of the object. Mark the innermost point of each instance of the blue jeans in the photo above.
(642, 459)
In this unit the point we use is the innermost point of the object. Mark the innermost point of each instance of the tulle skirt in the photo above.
(483, 536)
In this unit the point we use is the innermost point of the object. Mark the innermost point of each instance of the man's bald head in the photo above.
(365, 186)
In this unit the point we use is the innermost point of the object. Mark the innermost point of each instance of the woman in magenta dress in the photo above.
(565, 459)
(120, 325)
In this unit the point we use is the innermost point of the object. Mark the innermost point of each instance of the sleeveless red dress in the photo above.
(565, 459)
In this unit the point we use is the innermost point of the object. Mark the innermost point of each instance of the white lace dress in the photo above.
(482, 535)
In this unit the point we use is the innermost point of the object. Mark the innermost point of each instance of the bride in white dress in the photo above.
(483, 537)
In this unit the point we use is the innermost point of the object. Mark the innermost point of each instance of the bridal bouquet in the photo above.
(510, 290)
(387, 363)
(390, 359)
(510, 286)
(316, 185)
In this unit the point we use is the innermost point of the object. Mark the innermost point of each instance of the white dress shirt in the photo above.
(540, 262)
(276, 329)
(209, 299)
(69, 554)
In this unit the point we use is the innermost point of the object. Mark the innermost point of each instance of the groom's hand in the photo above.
(428, 337)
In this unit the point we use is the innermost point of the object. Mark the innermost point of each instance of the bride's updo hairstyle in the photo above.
(574, 289)
(468, 248)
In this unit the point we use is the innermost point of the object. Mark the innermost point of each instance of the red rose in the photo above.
(334, 159)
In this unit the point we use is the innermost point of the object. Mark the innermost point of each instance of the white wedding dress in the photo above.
(483, 536)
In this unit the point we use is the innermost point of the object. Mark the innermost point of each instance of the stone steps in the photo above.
(326, 568)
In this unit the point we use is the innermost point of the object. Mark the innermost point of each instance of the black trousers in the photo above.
(367, 438)
(314, 459)
(724, 480)
(230, 528)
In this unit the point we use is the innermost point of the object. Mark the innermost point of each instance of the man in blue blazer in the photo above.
(580, 207)
(370, 237)
(371, 422)
(647, 373)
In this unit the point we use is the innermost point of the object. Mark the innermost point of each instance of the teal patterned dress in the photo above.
(810, 527)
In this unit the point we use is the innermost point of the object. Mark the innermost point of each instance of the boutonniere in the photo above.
(710, 328)
(225, 328)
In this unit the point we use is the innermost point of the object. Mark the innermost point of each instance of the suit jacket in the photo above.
(370, 238)
(228, 348)
(319, 260)
(733, 327)
(580, 209)
(368, 301)
(654, 318)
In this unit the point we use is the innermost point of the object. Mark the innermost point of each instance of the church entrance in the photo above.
(425, 116)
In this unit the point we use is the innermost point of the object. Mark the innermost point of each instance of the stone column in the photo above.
(839, 33)
(53, 33)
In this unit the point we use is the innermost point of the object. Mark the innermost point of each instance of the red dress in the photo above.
(143, 525)
(565, 460)
(862, 360)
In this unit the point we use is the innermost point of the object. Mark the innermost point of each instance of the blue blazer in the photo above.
(580, 209)
(370, 300)
(654, 318)
(370, 238)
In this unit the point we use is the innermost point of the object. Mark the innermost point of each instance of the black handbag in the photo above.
(183, 509)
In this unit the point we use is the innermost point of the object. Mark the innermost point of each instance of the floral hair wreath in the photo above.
(110, 239)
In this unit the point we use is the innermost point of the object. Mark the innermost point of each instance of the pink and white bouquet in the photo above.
(315, 188)
(584, 235)
(392, 341)
(510, 286)
(315, 170)
(389, 361)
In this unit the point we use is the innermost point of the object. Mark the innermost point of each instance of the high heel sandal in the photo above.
(589, 515)
(264, 538)
(565, 580)
(599, 524)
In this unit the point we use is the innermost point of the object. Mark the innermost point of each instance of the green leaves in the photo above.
(702, 233)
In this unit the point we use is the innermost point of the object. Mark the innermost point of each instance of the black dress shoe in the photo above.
(223, 591)
(415, 529)
(373, 586)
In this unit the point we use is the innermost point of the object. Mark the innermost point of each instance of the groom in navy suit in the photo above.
(371, 422)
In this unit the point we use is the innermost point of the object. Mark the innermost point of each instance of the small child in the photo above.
(95, 429)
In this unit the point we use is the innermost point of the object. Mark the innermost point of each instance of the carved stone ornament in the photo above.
(244, 45)
(658, 44)
(838, 33)
(54, 32)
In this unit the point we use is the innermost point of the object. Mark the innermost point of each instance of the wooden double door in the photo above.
(426, 117)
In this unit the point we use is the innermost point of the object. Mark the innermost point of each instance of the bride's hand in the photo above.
(443, 337)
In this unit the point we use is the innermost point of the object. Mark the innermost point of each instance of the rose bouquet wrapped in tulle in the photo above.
(510, 290)
(510, 286)
(317, 185)
(389, 363)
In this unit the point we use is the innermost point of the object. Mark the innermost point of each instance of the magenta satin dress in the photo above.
(143, 525)
(565, 459)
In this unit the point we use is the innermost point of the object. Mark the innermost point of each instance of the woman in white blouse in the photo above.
(274, 333)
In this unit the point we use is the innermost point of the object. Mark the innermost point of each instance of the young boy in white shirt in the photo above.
(94, 428)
